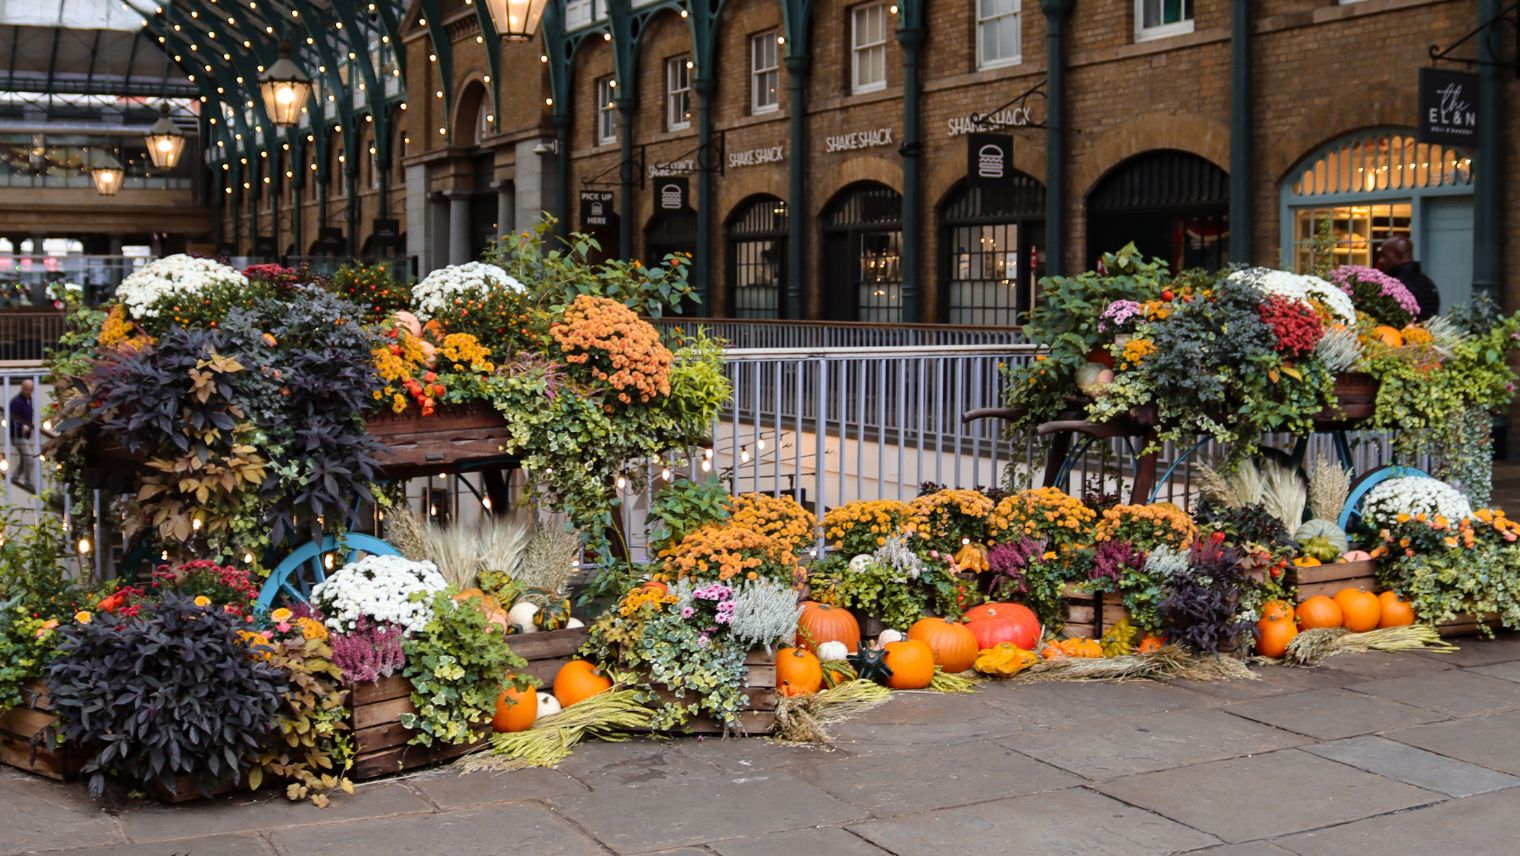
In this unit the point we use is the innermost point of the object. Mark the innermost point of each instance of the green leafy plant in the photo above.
(312, 746)
(681, 507)
(1456, 571)
(458, 665)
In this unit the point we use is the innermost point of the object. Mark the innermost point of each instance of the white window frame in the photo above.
(1160, 31)
(606, 111)
(859, 49)
(759, 75)
(678, 93)
(1017, 14)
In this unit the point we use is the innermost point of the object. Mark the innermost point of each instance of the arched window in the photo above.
(991, 244)
(757, 257)
(1173, 205)
(862, 254)
(1342, 202)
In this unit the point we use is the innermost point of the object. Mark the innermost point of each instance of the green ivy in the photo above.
(458, 664)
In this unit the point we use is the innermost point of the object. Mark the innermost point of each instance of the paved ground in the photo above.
(1377, 753)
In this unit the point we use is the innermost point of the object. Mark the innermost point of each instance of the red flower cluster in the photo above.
(226, 585)
(274, 274)
(1297, 327)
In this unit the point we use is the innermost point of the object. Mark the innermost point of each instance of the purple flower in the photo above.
(687, 612)
(1348, 277)
(703, 641)
(1118, 314)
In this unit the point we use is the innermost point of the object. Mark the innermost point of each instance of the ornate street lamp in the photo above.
(165, 141)
(516, 20)
(107, 174)
(284, 88)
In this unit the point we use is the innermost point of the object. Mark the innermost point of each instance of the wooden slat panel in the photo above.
(554, 644)
(37, 696)
(384, 689)
(389, 761)
(762, 676)
(545, 670)
(17, 752)
(370, 715)
(386, 735)
(24, 722)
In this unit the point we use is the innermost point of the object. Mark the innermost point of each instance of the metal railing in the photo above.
(748, 333)
(27, 334)
(24, 276)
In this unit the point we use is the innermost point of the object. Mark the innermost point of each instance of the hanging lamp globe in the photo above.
(165, 141)
(106, 173)
(516, 20)
(284, 88)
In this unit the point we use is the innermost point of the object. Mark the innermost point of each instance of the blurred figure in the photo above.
(1396, 258)
(23, 419)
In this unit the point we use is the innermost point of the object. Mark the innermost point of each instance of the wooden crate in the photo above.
(547, 652)
(1329, 579)
(22, 744)
(1091, 616)
(1467, 625)
(760, 717)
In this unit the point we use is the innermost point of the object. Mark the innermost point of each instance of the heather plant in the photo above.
(370, 651)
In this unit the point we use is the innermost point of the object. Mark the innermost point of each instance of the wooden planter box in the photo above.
(760, 685)
(1089, 615)
(1329, 579)
(1467, 625)
(413, 444)
(22, 743)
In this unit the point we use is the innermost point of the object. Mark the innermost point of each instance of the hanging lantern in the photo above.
(165, 141)
(516, 20)
(284, 88)
(107, 174)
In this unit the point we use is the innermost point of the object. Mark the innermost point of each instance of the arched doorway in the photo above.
(992, 251)
(1350, 196)
(670, 232)
(862, 254)
(757, 257)
(1173, 205)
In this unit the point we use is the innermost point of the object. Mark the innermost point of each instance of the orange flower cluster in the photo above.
(1045, 513)
(861, 527)
(119, 331)
(618, 348)
(643, 596)
(948, 518)
(780, 517)
(398, 364)
(1147, 526)
(723, 552)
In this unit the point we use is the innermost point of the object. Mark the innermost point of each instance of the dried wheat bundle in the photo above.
(1171, 662)
(802, 719)
(1329, 486)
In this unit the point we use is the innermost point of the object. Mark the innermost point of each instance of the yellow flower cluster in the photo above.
(1045, 513)
(398, 362)
(719, 552)
(119, 331)
(861, 527)
(1417, 336)
(950, 516)
(257, 642)
(310, 628)
(619, 348)
(780, 517)
(1147, 526)
(463, 350)
(644, 596)
(1134, 351)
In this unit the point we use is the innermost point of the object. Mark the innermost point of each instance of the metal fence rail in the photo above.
(745, 333)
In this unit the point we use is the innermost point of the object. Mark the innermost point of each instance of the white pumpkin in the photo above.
(521, 615)
(547, 705)
(573, 623)
(889, 636)
(832, 651)
(860, 564)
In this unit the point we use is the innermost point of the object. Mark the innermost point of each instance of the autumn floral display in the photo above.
(947, 520)
(779, 517)
(1047, 514)
(865, 526)
(1146, 526)
(720, 553)
(608, 344)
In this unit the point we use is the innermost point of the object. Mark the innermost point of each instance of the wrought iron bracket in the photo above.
(1489, 31)
(988, 120)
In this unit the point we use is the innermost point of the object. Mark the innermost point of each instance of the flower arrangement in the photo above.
(152, 290)
(723, 552)
(1328, 301)
(456, 288)
(382, 589)
(415, 368)
(458, 662)
(779, 517)
(606, 343)
(863, 526)
(372, 288)
(1377, 295)
(1397, 500)
(368, 651)
(1295, 325)
(946, 520)
(1146, 527)
(1028, 572)
(1201, 606)
(1455, 569)
(1047, 514)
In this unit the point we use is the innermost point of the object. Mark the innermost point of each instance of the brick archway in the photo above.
(1205, 138)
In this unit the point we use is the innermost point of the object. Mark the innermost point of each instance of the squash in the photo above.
(521, 615)
(554, 615)
(1089, 376)
(1360, 610)
(798, 672)
(821, 622)
(1277, 609)
(1052, 651)
(516, 710)
(548, 705)
(1119, 639)
(832, 652)
(1318, 611)
(992, 623)
(1081, 647)
(861, 563)
(1356, 556)
(888, 636)
(1396, 610)
(972, 559)
(579, 680)
(953, 645)
(912, 664)
(1150, 644)
(488, 604)
(1389, 336)
(1004, 660)
(1321, 539)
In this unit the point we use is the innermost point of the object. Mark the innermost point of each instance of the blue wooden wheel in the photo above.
(1369, 481)
(295, 576)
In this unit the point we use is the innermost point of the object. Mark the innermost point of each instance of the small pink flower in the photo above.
(687, 612)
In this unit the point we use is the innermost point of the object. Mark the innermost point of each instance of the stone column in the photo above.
(459, 228)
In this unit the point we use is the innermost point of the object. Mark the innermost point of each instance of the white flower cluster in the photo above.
(380, 588)
(1303, 288)
(178, 275)
(1414, 495)
(437, 292)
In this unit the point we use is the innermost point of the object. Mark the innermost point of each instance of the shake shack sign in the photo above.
(1448, 107)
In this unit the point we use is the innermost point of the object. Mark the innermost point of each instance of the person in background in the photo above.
(1396, 258)
(23, 427)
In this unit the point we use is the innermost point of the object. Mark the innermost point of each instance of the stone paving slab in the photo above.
(1074, 822)
(1454, 692)
(1485, 824)
(36, 814)
(1509, 671)
(1331, 714)
(213, 845)
(1049, 703)
(447, 789)
(925, 717)
(1488, 741)
(802, 842)
(148, 821)
(1477, 651)
(1251, 848)
(633, 763)
(495, 829)
(1380, 665)
(1244, 799)
(1150, 742)
(1414, 766)
(684, 812)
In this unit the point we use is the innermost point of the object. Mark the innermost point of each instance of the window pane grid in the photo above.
(765, 69)
(998, 32)
(1357, 232)
(678, 93)
(878, 278)
(985, 275)
(606, 112)
(868, 48)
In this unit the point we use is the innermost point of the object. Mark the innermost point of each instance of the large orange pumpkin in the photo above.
(1360, 610)
(954, 646)
(1396, 610)
(488, 604)
(579, 680)
(515, 709)
(798, 672)
(1273, 633)
(912, 664)
(1318, 611)
(1277, 609)
(992, 623)
(1390, 336)
(823, 623)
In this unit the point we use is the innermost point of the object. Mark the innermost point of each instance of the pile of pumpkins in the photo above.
(1355, 609)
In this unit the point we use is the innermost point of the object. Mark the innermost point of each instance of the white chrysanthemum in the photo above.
(1414, 495)
(178, 275)
(1304, 288)
(380, 588)
(436, 294)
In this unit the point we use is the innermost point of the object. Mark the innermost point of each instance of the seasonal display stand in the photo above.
(381, 742)
(23, 744)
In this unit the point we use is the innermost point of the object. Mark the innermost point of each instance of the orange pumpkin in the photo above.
(1277, 609)
(579, 680)
(1150, 644)
(1396, 610)
(1273, 633)
(798, 672)
(912, 664)
(992, 623)
(821, 622)
(953, 644)
(1389, 336)
(515, 709)
(656, 585)
(1318, 611)
(488, 604)
(1360, 610)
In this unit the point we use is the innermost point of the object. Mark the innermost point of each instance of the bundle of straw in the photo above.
(1312, 646)
(605, 716)
(802, 719)
(1171, 662)
(948, 683)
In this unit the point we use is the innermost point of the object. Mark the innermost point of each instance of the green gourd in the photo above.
(1326, 533)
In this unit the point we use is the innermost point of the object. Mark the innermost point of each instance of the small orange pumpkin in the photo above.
(515, 709)
(798, 672)
(579, 680)
(656, 585)
(912, 664)
(953, 644)
(1150, 644)
(1273, 633)
(1397, 611)
(1389, 336)
(1277, 609)
(1360, 610)
(1318, 611)
(821, 622)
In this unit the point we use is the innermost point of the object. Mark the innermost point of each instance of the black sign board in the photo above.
(596, 209)
(989, 160)
(1448, 107)
(671, 192)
